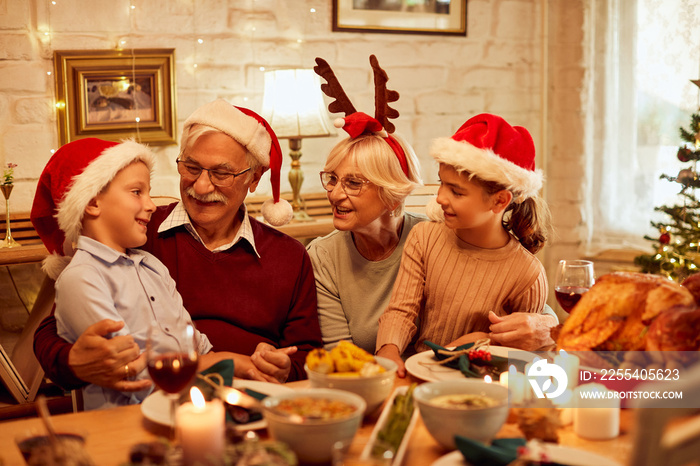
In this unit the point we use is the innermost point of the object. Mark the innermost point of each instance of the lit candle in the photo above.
(597, 416)
(200, 426)
(570, 364)
(516, 385)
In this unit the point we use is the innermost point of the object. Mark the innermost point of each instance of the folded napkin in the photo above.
(463, 364)
(502, 451)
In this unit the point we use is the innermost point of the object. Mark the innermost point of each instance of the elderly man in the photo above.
(247, 286)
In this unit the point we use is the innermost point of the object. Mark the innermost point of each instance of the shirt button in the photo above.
(153, 298)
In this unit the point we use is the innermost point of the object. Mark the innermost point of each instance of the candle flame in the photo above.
(488, 379)
(197, 397)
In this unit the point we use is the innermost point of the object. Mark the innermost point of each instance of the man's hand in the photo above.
(104, 362)
(391, 351)
(273, 362)
(523, 330)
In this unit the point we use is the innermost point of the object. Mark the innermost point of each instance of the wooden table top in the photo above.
(111, 434)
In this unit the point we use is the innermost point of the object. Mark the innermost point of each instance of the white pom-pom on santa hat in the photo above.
(255, 134)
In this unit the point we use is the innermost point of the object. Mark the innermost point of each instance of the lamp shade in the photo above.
(293, 104)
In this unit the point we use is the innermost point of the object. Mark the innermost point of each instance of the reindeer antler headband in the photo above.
(357, 123)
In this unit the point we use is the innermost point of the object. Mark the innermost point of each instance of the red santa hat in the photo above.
(491, 149)
(74, 175)
(255, 134)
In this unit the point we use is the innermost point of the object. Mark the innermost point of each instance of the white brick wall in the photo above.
(442, 80)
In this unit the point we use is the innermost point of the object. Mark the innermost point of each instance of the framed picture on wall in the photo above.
(115, 94)
(444, 17)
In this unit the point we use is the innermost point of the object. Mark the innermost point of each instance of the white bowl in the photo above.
(476, 423)
(313, 440)
(374, 388)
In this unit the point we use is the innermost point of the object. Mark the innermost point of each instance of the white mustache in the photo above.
(209, 197)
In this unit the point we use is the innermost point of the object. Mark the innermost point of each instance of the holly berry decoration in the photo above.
(684, 154)
(479, 355)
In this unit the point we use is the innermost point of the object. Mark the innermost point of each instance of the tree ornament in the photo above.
(684, 154)
(665, 238)
(686, 175)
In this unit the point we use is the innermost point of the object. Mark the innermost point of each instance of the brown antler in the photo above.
(333, 89)
(382, 97)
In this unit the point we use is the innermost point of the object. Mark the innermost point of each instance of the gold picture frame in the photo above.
(116, 94)
(440, 17)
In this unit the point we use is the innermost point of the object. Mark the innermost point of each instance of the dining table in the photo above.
(111, 433)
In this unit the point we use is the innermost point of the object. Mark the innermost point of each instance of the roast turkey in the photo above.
(620, 311)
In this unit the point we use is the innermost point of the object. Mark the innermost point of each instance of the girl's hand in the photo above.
(391, 351)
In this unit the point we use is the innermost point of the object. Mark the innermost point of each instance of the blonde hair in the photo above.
(196, 131)
(379, 164)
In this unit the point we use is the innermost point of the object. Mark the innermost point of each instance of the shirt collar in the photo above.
(178, 217)
(111, 256)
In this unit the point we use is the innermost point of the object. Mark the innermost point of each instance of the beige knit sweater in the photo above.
(451, 286)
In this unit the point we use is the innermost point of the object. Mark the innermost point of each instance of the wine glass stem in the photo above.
(173, 397)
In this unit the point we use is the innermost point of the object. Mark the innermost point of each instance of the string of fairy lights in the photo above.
(199, 57)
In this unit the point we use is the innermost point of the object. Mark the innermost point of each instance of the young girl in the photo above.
(478, 254)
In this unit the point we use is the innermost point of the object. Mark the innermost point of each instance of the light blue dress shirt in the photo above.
(134, 287)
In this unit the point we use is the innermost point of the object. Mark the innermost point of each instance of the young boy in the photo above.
(94, 194)
(472, 260)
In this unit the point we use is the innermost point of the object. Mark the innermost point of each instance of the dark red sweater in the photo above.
(234, 297)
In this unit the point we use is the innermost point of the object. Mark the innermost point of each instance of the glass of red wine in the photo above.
(172, 361)
(573, 279)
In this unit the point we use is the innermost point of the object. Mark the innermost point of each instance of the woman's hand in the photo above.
(391, 351)
(522, 330)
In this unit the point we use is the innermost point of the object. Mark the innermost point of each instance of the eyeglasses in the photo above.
(351, 185)
(191, 172)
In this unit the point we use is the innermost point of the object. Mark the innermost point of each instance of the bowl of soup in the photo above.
(471, 408)
(311, 421)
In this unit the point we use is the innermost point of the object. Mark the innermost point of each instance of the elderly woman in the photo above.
(355, 266)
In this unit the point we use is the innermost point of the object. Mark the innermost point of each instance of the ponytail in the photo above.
(529, 221)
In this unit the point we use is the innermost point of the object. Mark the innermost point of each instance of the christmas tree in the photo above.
(677, 248)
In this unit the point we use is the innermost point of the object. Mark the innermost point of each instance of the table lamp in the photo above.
(293, 105)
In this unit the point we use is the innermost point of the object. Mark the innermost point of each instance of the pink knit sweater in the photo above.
(451, 286)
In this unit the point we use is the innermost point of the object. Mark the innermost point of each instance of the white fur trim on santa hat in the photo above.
(53, 265)
(243, 128)
(98, 174)
(277, 213)
(488, 166)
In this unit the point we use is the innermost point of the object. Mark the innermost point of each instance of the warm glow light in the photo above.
(262, 68)
(53, 150)
(488, 379)
(195, 65)
(137, 120)
(233, 397)
(313, 10)
(197, 398)
(49, 73)
(60, 105)
(133, 7)
(299, 41)
(201, 41)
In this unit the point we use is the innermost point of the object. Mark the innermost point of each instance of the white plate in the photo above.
(398, 456)
(156, 407)
(416, 364)
(557, 454)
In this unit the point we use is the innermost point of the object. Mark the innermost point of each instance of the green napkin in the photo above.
(464, 365)
(224, 369)
(501, 452)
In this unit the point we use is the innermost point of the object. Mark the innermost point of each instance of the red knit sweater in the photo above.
(234, 297)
